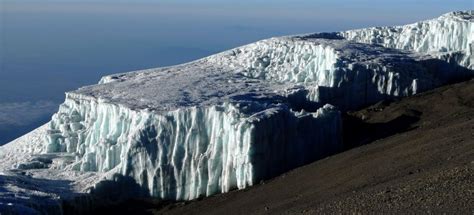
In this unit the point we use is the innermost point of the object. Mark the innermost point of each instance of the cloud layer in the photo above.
(24, 113)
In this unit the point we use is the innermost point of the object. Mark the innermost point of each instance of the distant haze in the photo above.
(48, 47)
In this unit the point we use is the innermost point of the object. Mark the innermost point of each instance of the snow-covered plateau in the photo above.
(226, 121)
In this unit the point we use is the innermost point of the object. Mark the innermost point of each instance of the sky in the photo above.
(48, 47)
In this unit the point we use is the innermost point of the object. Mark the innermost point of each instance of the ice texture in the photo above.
(450, 34)
(234, 138)
(232, 119)
(192, 152)
(340, 72)
(228, 120)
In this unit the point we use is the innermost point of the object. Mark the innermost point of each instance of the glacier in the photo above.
(450, 36)
(226, 121)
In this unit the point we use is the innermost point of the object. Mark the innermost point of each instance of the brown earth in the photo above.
(415, 155)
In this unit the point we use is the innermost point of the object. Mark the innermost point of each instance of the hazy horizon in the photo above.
(53, 46)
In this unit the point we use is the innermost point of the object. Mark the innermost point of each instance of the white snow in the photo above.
(448, 34)
(283, 60)
(226, 121)
(38, 188)
(191, 151)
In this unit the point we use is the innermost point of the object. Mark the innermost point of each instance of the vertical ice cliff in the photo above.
(247, 114)
(450, 36)
(232, 119)
(340, 72)
(187, 153)
(283, 60)
(230, 135)
(192, 152)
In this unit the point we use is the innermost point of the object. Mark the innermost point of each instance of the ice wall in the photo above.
(283, 60)
(187, 153)
(237, 120)
(346, 74)
(450, 33)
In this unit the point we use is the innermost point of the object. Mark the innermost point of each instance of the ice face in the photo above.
(340, 72)
(450, 33)
(192, 152)
(232, 119)
(283, 60)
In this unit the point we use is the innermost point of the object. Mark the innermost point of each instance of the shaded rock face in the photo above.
(232, 119)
